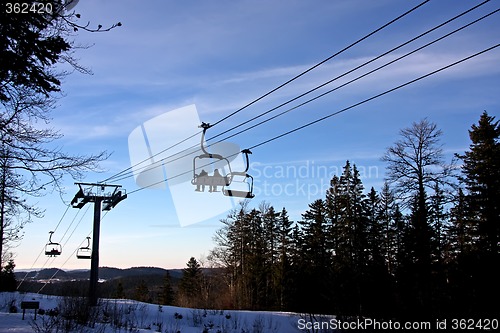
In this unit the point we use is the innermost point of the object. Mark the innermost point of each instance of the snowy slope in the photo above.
(145, 317)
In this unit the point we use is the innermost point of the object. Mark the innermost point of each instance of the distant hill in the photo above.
(113, 281)
(105, 273)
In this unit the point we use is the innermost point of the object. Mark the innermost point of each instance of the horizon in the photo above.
(88, 269)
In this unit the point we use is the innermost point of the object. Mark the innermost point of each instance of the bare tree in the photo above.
(31, 164)
(416, 161)
(416, 166)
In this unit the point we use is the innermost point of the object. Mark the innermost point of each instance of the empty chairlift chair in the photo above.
(84, 252)
(240, 182)
(52, 249)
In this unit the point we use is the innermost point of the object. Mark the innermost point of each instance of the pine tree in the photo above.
(8, 280)
(333, 209)
(190, 284)
(313, 225)
(167, 292)
(314, 261)
(142, 292)
(461, 256)
(255, 275)
(352, 220)
(271, 253)
(119, 293)
(438, 220)
(387, 216)
(353, 251)
(462, 232)
(481, 170)
(374, 229)
(232, 253)
(284, 270)
(481, 176)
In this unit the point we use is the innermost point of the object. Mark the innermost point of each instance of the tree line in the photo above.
(425, 245)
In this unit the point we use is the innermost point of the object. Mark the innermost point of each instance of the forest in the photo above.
(425, 245)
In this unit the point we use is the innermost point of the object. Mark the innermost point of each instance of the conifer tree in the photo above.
(353, 232)
(285, 252)
(374, 229)
(315, 259)
(167, 292)
(8, 280)
(387, 216)
(142, 292)
(462, 232)
(190, 284)
(271, 253)
(438, 219)
(333, 209)
(119, 293)
(481, 176)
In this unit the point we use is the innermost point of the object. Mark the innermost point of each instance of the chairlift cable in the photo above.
(374, 97)
(52, 259)
(64, 214)
(114, 177)
(338, 87)
(345, 109)
(322, 85)
(66, 261)
(72, 221)
(42, 250)
(359, 77)
(280, 86)
(57, 271)
(74, 229)
(362, 65)
(322, 62)
(62, 246)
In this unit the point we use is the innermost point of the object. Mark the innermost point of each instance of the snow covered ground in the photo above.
(132, 316)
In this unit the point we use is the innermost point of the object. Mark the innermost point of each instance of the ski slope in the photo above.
(136, 316)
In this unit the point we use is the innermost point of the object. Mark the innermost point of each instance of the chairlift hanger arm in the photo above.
(205, 126)
(246, 152)
(50, 237)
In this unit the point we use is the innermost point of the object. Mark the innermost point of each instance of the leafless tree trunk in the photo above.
(30, 166)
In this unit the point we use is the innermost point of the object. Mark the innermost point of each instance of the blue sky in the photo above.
(220, 55)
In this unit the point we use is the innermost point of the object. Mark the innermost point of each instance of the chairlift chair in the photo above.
(202, 178)
(242, 188)
(84, 252)
(52, 249)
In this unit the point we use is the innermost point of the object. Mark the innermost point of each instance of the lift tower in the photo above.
(99, 194)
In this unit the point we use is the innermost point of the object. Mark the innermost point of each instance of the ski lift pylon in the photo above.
(52, 249)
